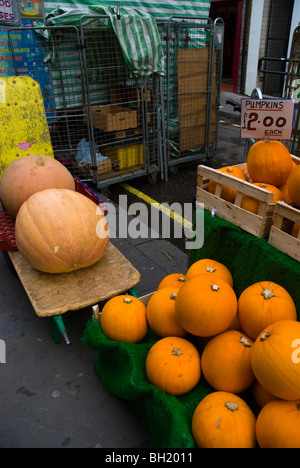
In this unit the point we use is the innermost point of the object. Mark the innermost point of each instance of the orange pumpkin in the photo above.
(260, 395)
(161, 313)
(284, 188)
(173, 364)
(228, 193)
(262, 304)
(211, 267)
(295, 230)
(124, 318)
(226, 362)
(251, 204)
(269, 162)
(278, 425)
(28, 175)
(59, 230)
(206, 306)
(275, 359)
(175, 280)
(294, 186)
(223, 420)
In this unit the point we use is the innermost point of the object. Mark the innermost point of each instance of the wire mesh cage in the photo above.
(192, 88)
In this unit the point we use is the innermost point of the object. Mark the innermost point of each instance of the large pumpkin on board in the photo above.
(28, 175)
(275, 359)
(223, 420)
(278, 425)
(59, 230)
(270, 162)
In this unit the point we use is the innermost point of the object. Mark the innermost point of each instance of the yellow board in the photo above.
(23, 123)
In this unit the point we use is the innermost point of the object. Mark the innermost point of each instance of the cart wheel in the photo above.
(152, 178)
(9, 264)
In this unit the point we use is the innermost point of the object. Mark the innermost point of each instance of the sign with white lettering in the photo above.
(267, 118)
(10, 12)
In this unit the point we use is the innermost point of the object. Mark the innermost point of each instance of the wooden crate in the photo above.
(110, 118)
(280, 234)
(257, 224)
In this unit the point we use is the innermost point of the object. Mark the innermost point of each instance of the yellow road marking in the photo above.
(176, 217)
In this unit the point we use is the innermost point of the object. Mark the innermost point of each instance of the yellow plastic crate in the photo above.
(126, 156)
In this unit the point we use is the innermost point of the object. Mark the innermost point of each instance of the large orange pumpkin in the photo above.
(173, 364)
(206, 306)
(295, 230)
(211, 267)
(28, 175)
(59, 230)
(269, 162)
(161, 313)
(228, 193)
(278, 425)
(294, 186)
(124, 318)
(226, 362)
(223, 420)
(251, 204)
(275, 359)
(262, 304)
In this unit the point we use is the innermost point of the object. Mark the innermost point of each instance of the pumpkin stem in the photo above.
(210, 269)
(232, 406)
(245, 342)
(40, 161)
(229, 169)
(267, 293)
(262, 185)
(215, 287)
(181, 280)
(127, 300)
(173, 296)
(265, 336)
(177, 352)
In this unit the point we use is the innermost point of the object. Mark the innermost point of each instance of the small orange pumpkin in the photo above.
(260, 395)
(295, 230)
(30, 174)
(262, 304)
(173, 364)
(223, 420)
(251, 204)
(60, 230)
(278, 425)
(285, 189)
(275, 359)
(174, 280)
(124, 318)
(228, 193)
(206, 306)
(161, 313)
(294, 186)
(270, 162)
(226, 362)
(211, 267)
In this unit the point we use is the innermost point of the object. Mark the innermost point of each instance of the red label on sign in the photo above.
(24, 146)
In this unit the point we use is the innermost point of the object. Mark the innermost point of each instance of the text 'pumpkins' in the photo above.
(30, 174)
(59, 230)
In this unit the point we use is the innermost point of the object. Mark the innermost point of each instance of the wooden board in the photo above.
(54, 294)
(280, 234)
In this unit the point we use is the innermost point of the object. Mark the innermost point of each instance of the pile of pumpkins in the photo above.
(246, 344)
(269, 166)
(57, 229)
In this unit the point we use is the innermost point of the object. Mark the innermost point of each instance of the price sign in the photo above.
(267, 118)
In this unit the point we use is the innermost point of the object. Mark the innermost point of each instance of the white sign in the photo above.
(267, 118)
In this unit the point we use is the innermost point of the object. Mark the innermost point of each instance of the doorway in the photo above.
(231, 13)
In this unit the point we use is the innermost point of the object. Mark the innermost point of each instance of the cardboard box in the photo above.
(111, 118)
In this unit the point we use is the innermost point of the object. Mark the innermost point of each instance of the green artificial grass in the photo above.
(121, 366)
